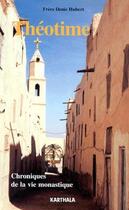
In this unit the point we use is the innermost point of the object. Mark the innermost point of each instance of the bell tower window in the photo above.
(1, 44)
(37, 90)
(37, 59)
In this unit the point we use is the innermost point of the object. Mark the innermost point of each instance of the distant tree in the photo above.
(52, 152)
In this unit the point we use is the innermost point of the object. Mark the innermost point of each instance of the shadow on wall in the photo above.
(83, 182)
(23, 166)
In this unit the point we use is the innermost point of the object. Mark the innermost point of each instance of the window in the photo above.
(108, 140)
(78, 136)
(67, 128)
(75, 140)
(77, 109)
(109, 60)
(85, 130)
(108, 78)
(38, 120)
(14, 31)
(74, 161)
(94, 139)
(37, 59)
(1, 31)
(37, 90)
(125, 83)
(83, 97)
(94, 175)
(122, 178)
(81, 134)
(94, 108)
(73, 121)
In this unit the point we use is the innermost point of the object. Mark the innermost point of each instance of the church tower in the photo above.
(37, 92)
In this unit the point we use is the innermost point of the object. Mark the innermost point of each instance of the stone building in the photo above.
(97, 141)
(22, 112)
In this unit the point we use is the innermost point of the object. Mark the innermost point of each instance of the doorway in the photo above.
(122, 179)
(94, 175)
(108, 182)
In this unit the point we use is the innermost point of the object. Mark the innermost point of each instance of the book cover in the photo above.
(64, 126)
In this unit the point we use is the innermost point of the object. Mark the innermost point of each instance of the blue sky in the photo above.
(62, 55)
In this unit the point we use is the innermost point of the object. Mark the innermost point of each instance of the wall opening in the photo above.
(81, 134)
(85, 130)
(83, 97)
(109, 60)
(37, 59)
(108, 141)
(74, 157)
(122, 179)
(94, 139)
(94, 108)
(108, 182)
(125, 83)
(94, 175)
(37, 90)
(108, 89)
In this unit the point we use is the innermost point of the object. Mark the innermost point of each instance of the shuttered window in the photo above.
(83, 97)
(81, 134)
(85, 130)
(125, 82)
(109, 60)
(108, 140)
(94, 139)
(108, 79)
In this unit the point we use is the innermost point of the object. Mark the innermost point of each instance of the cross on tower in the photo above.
(37, 42)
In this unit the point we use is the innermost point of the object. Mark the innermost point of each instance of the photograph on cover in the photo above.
(64, 125)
